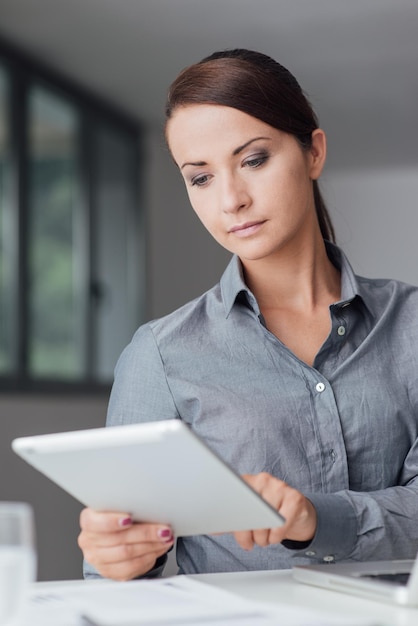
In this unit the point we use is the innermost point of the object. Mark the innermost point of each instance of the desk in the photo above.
(279, 587)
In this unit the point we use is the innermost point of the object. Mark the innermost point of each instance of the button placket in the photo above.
(339, 319)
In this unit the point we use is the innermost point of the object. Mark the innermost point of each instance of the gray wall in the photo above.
(56, 513)
(377, 221)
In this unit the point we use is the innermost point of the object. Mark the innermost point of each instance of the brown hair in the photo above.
(259, 86)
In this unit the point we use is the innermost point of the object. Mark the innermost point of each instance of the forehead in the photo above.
(196, 127)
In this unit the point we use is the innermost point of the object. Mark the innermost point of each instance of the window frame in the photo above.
(25, 73)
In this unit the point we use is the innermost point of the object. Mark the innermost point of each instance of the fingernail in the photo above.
(165, 533)
(125, 521)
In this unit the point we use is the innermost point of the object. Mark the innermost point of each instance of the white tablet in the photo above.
(158, 471)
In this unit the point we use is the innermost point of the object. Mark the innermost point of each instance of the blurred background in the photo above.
(96, 235)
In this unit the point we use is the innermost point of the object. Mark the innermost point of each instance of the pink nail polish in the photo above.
(125, 521)
(165, 533)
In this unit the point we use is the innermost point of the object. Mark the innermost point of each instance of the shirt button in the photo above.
(328, 559)
(310, 553)
(320, 387)
(341, 331)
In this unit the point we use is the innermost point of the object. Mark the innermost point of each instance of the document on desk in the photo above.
(176, 600)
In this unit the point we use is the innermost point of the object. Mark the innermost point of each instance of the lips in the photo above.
(246, 229)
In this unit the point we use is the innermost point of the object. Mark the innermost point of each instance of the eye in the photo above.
(256, 160)
(200, 181)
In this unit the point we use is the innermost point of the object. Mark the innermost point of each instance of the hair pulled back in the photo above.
(255, 84)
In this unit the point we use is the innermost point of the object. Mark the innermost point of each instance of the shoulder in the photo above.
(189, 318)
(141, 389)
(387, 295)
(187, 321)
(386, 287)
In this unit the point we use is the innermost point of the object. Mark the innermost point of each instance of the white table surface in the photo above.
(279, 587)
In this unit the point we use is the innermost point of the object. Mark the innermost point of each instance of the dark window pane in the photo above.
(8, 240)
(117, 261)
(57, 275)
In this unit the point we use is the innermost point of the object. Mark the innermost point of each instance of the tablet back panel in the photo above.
(158, 471)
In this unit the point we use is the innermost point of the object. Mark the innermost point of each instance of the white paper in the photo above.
(176, 600)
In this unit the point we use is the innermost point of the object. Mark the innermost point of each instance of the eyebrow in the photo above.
(234, 153)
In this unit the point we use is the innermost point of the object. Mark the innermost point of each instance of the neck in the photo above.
(301, 279)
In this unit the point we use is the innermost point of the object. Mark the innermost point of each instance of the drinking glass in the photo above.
(17, 559)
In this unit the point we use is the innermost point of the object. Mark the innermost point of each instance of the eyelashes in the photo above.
(199, 181)
(256, 161)
(253, 162)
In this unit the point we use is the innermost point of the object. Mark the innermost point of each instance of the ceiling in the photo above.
(357, 60)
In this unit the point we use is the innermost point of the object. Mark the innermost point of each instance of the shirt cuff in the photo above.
(336, 531)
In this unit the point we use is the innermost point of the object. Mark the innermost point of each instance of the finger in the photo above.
(245, 539)
(298, 511)
(276, 535)
(269, 488)
(259, 482)
(261, 537)
(127, 570)
(110, 522)
(125, 552)
(99, 521)
(147, 533)
(137, 533)
(125, 560)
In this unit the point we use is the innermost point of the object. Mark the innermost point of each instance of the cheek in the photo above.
(292, 189)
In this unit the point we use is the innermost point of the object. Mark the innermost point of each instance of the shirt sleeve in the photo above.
(140, 393)
(358, 526)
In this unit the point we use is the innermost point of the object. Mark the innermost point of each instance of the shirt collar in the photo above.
(233, 285)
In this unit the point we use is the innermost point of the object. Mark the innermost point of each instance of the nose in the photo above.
(234, 194)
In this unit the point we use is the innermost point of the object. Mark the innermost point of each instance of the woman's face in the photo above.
(250, 184)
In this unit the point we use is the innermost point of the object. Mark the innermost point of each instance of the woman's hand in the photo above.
(298, 511)
(117, 547)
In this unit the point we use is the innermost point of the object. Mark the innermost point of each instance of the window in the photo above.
(7, 239)
(116, 288)
(57, 283)
(71, 249)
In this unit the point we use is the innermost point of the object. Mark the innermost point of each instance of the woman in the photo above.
(298, 373)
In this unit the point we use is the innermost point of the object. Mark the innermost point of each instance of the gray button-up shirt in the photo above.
(343, 432)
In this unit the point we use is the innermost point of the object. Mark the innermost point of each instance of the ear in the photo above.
(318, 153)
